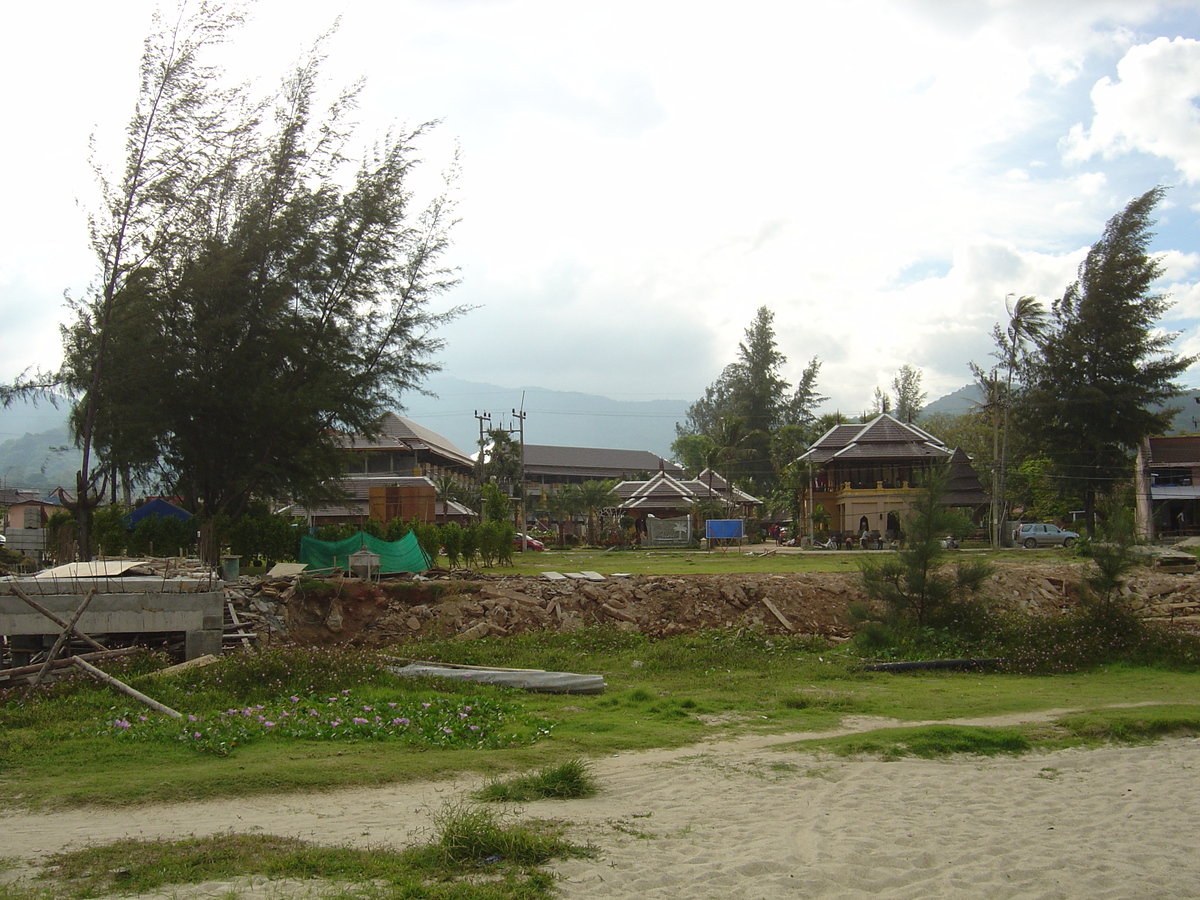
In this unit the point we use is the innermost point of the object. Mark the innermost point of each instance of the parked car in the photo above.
(531, 543)
(1036, 534)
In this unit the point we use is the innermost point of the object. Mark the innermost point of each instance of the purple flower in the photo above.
(358, 721)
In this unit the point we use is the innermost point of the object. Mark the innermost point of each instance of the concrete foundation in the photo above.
(166, 608)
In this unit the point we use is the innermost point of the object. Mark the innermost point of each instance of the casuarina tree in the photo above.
(261, 289)
(1103, 367)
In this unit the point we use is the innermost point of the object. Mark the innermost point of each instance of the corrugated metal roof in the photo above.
(1175, 450)
(397, 432)
(541, 459)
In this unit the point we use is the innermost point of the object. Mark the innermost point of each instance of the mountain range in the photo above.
(35, 449)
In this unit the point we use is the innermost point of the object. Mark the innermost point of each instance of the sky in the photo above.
(638, 178)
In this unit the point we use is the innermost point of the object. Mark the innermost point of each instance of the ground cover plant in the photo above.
(65, 744)
(567, 780)
(474, 854)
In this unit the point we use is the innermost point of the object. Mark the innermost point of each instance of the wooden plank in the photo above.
(21, 671)
(775, 611)
(233, 616)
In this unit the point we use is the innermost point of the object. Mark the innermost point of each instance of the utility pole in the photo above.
(481, 417)
(520, 418)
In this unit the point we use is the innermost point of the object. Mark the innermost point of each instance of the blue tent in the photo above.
(159, 508)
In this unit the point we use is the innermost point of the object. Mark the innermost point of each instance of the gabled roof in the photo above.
(662, 491)
(541, 459)
(711, 484)
(883, 438)
(397, 432)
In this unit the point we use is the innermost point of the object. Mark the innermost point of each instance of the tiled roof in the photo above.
(883, 438)
(662, 491)
(964, 487)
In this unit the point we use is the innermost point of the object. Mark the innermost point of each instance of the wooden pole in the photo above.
(54, 617)
(60, 643)
(126, 689)
(20, 671)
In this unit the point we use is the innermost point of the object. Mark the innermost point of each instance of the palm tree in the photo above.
(561, 505)
(1026, 324)
(729, 447)
(594, 497)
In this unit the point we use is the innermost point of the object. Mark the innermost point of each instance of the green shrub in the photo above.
(568, 780)
(452, 543)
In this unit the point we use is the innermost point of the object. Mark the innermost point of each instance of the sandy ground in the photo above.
(752, 818)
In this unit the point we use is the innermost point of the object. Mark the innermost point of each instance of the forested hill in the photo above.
(31, 437)
(34, 454)
(968, 397)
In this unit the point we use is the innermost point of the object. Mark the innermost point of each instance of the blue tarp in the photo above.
(159, 508)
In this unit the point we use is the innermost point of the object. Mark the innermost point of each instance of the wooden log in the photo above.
(20, 671)
(126, 689)
(55, 618)
(58, 644)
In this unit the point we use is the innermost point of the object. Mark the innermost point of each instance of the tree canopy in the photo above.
(752, 399)
(1102, 362)
(260, 291)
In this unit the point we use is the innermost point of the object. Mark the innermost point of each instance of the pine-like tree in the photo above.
(1103, 363)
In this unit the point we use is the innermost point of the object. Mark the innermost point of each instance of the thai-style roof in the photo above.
(963, 487)
(399, 433)
(664, 491)
(711, 484)
(883, 438)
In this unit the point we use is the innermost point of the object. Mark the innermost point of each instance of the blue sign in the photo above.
(724, 529)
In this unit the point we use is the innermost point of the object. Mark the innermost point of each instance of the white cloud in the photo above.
(1150, 107)
(639, 178)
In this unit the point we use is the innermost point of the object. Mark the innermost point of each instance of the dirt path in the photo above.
(751, 817)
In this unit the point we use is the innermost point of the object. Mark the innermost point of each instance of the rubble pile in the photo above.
(470, 605)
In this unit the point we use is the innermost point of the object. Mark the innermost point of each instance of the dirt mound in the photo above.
(470, 605)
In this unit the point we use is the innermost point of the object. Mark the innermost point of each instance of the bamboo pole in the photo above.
(126, 689)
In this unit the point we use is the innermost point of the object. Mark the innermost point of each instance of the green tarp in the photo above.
(404, 555)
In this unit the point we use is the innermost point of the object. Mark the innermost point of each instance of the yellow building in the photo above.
(865, 475)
